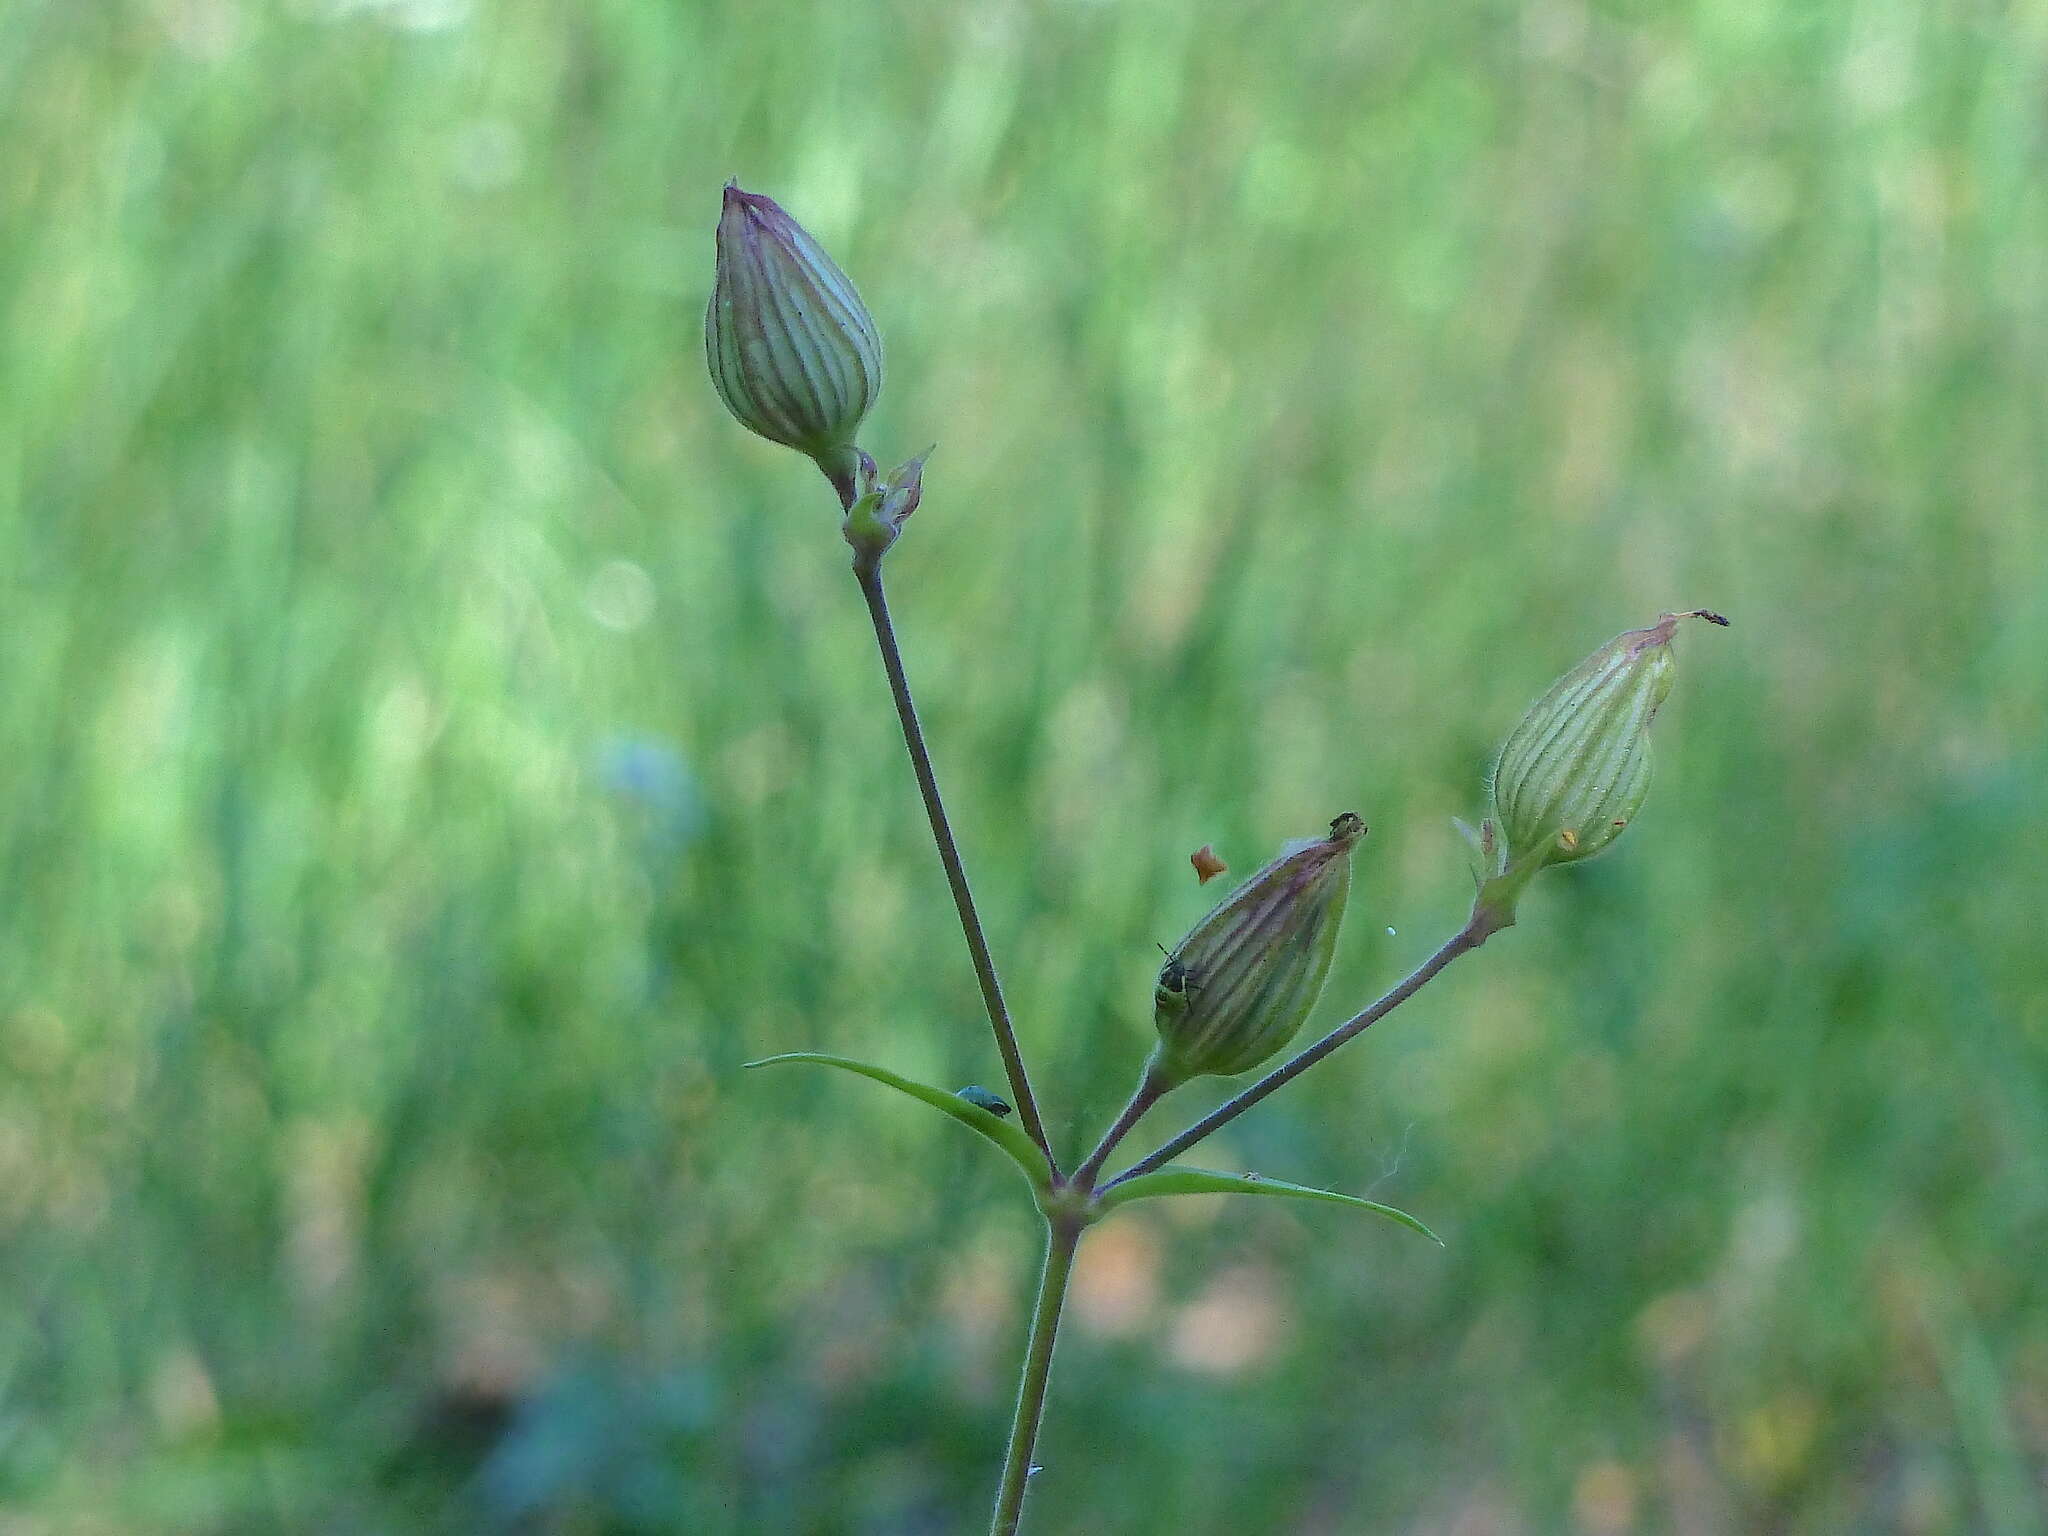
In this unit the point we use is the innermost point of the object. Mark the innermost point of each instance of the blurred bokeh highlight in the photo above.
(438, 747)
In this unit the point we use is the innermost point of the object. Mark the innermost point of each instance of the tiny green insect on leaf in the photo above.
(1021, 1149)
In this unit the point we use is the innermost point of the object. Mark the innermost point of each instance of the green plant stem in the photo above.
(1150, 1090)
(869, 573)
(1063, 1237)
(1470, 937)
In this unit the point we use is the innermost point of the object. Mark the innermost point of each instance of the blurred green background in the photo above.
(437, 747)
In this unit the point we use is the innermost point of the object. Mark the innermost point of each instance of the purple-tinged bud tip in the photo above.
(793, 352)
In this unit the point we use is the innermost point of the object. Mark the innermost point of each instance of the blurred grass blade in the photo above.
(1204, 1181)
(1010, 1138)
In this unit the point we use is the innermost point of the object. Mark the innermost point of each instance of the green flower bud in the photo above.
(1242, 983)
(1574, 773)
(793, 352)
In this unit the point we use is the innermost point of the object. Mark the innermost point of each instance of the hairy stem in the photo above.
(870, 574)
(1063, 1236)
(1470, 937)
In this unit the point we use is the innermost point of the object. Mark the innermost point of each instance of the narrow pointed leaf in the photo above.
(1011, 1138)
(1204, 1181)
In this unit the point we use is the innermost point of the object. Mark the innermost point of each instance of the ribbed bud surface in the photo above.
(793, 351)
(1242, 983)
(1575, 771)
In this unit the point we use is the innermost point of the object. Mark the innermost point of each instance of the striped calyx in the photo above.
(1574, 773)
(793, 351)
(1242, 983)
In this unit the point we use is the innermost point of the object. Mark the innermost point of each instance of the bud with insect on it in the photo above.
(1576, 770)
(1242, 983)
(793, 351)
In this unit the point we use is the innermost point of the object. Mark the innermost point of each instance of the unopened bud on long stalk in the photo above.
(1576, 770)
(793, 351)
(1242, 983)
